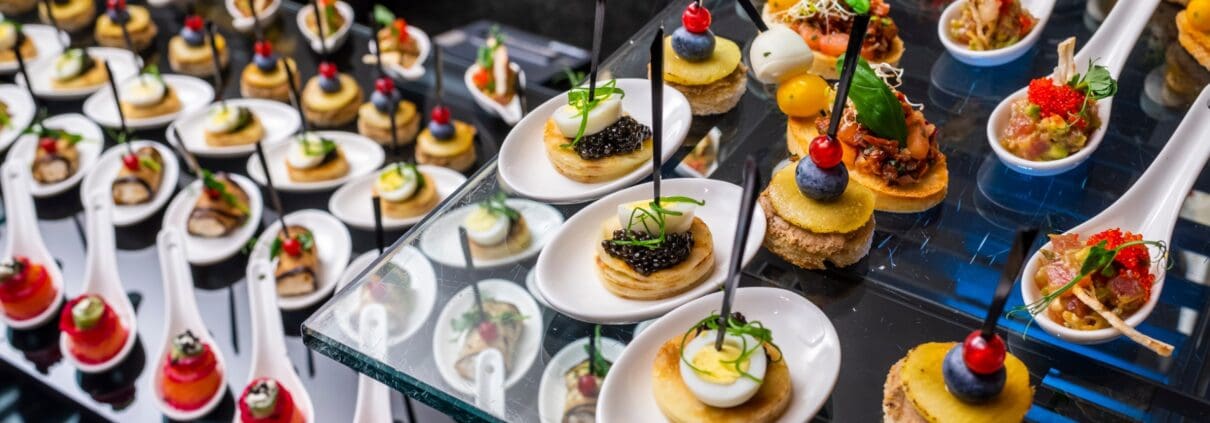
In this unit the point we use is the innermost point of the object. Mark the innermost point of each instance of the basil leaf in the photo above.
(1098, 257)
(275, 248)
(877, 106)
(860, 7)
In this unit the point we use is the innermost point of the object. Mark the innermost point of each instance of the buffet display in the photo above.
(574, 221)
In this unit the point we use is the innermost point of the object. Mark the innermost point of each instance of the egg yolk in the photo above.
(480, 220)
(718, 366)
(390, 180)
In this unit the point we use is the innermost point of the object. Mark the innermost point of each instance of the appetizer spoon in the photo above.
(1040, 9)
(181, 314)
(101, 278)
(509, 113)
(24, 239)
(269, 356)
(1110, 47)
(1149, 208)
(373, 398)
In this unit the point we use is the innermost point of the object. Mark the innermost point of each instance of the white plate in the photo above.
(552, 393)
(194, 94)
(416, 71)
(205, 251)
(279, 120)
(440, 241)
(101, 178)
(332, 41)
(120, 61)
(510, 113)
(45, 38)
(567, 275)
(525, 167)
(20, 110)
(421, 289)
(531, 285)
(332, 244)
(89, 148)
(351, 202)
(363, 154)
(806, 337)
(447, 344)
(248, 24)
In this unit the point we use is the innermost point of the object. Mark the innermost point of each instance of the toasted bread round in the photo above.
(809, 250)
(252, 132)
(679, 404)
(717, 97)
(570, 164)
(895, 406)
(195, 61)
(622, 280)
(93, 77)
(376, 125)
(332, 169)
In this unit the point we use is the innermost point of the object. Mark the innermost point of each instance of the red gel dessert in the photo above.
(26, 289)
(266, 401)
(93, 329)
(191, 375)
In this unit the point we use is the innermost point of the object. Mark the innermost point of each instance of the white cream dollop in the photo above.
(299, 156)
(143, 90)
(723, 395)
(779, 53)
(397, 183)
(608, 111)
(485, 227)
(223, 118)
(639, 217)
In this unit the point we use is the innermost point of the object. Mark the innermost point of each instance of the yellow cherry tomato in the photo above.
(1199, 14)
(804, 95)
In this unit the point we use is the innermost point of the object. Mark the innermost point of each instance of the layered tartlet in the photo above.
(298, 267)
(404, 191)
(331, 98)
(189, 52)
(266, 76)
(815, 215)
(446, 142)
(495, 229)
(93, 329)
(26, 289)
(707, 69)
(265, 400)
(231, 125)
(70, 15)
(191, 375)
(826, 24)
(312, 158)
(139, 177)
(12, 41)
(655, 249)
(374, 117)
(76, 69)
(56, 159)
(221, 209)
(147, 96)
(594, 140)
(136, 19)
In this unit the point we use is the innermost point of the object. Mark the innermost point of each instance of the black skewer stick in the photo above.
(753, 15)
(383, 74)
(264, 167)
(470, 264)
(438, 80)
(319, 29)
(374, 28)
(856, 39)
(256, 20)
(25, 72)
(379, 239)
(138, 60)
(212, 34)
(747, 203)
(657, 112)
(117, 104)
(1016, 259)
(592, 350)
(190, 160)
(295, 97)
(598, 26)
(54, 22)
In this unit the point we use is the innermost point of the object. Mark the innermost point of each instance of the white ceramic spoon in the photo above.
(510, 113)
(206, 251)
(552, 392)
(411, 73)
(279, 120)
(421, 287)
(351, 202)
(332, 244)
(332, 40)
(101, 278)
(269, 356)
(1110, 47)
(42, 72)
(181, 314)
(47, 41)
(26, 148)
(1150, 207)
(24, 239)
(102, 175)
(21, 113)
(373, 398)
(1040, 9)
(363, 154)
(193, 93)
(247, 24)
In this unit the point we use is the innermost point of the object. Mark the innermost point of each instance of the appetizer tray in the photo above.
(929, 276)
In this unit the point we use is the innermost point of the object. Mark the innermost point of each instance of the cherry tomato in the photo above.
(487, 331)
(194, 22)
(49, 145)
(401, 26)
(803, 96)
(1199, 14)
(587, 385)
(696, 18)
(481, 78)
(212, 193)
(384, 85)
(116, 4)
(291, 246)
(131, 162)
(327, 69)
(263, 48)
(441, 114)
(825, 152)
(983, 356)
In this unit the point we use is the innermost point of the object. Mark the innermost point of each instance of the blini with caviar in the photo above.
(655, 250)
(593, 140)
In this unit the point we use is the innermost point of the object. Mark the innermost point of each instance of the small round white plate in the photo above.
(447, 344)
(567, 274)
(204, 251)
(531, 285)
(45, 38)
(363, 154)
(332, 244)
(193, 93)
(89, 147)
(552, 393)
(351, 202)
(101, 178)
(279, 120)
(120, 61)
(806, 338)
(421, 287)
(20, 110)
(525, 167)
(440, 241)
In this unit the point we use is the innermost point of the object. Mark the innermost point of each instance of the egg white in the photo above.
(779, 53)
(608, 111)
(68, 65)
(222, 118)
(485, 227)
(143, 90)
(672, 224)
(720, 395)
(403, 191)
(298, 157)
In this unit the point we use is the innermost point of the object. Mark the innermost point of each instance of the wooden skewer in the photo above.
(1161, 348)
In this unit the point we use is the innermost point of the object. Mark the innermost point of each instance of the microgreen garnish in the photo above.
(599, 363)
(485, 57)
(877, 106)
(574, 78)
(578, 98)
(5, 120)
(1096, 84)
(735, 326)
(211, 182)
(404, 169)
(149, 163)
(469, 319)
(41, 131)
(497, 205)
(859, 7)
(322, 148)
(654, 221)
(304, 239)
(385, 18)
(153, 70)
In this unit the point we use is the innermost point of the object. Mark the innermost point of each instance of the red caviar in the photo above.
(1134, 259)
(1055, 100)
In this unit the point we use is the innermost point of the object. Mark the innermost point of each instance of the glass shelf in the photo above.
(929, 276)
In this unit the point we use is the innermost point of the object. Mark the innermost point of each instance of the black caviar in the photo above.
(673, 251)
(624, 136)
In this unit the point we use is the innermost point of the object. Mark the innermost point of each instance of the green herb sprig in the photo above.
(655, 215)
(497, 204)
(735, 327)
(859, 7)
(469, 319)
(323, 148)
(877, 106)
(1096, 84)
(385, 18)
(304, 239)
(149, 163)
(485, 58)
(211, 182)
(41, 131)
(599, 363)
(578, 99)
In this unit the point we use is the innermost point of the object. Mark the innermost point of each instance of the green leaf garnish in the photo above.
(484, 57)
(149, 163)
(860, 7)
(578, 99)
(497, 204)
(599, 363)
(655, 215)
(877, 106)
(735, 327)
(275, 248)
(212, 182)
(385, 18)
(41, 131)
(322, 148)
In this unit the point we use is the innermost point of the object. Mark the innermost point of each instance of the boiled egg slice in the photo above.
(223, 119)
(397, 183)
(485, 227)
(639, 217)
(143, 90)
(68, 65)
(608, 111)
(300, 156)
(718, 383)
(779, 53)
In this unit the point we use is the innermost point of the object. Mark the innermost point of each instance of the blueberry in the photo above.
(383, 102)
(118, 17)
(329, 85)
(693, 47)
(265, 63)
(193, 38)
(821, 184)
(966, 385)
(441, 131)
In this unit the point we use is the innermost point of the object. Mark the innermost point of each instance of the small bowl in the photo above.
(1041, 10)
(247, 24)
(332, 41)
(997, 122)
